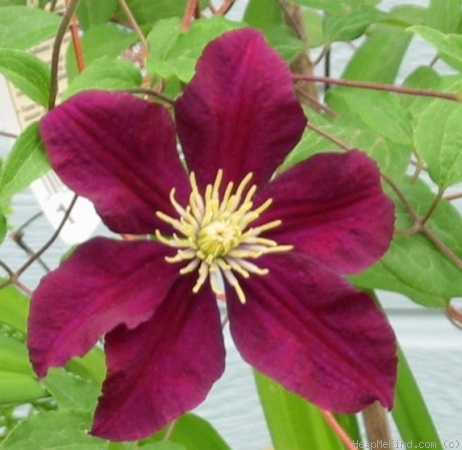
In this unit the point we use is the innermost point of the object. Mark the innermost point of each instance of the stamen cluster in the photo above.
(215, 236)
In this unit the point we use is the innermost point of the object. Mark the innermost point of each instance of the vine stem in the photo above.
(377, 426)
(338, 430)
(454, 316)
(23, 288)
(452, 197)
(134, 24)
(67, 17)
(170, 429)
(6, 268)
(191, 11)
(380, 87)
(8, 135)
(328, 136)
(418, 226)
(76, 42)
(151, 92)
(224, 8)
(14, 277)
(433, 206)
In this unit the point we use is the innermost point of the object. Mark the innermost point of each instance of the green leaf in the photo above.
(90, 13)
(268, 16)
(54, 430)
(27, 72)
(14, 307)
(71, 392)
(3, 226)
(194, 433)
(330, 6)
(379, 57)
(294, 423)
(413, 265)
(179, 59)
(449, 46)
(386, 277)
(336, 6)
(443, 15)
(14, 356)
(162, 38)
(18, 384)
(410, 412)
(102, 40)
(438, 140)
(19, 388)
(22, 27)
(164, 446)
(405, 15)
(313, 22)
(263, 14)
(282, 39)
(90, 367)
(124, 446)
(25, 163)
(393, 159)
(145, 12)
(105, 73)
(423, 77)
(351, 25)
(12, 2)
(379, 111)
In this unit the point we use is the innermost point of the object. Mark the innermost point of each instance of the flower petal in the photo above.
(119, 151)
(104, 283)
(305, 327)
(239, 113)
(332, 208)
(162, 368)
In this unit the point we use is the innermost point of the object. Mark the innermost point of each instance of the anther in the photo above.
(214, 236)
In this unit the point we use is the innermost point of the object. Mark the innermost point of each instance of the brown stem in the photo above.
(415, 217)
(8, 135)
(442, 246)
(170, 429)
(23, 288)
(134, 24)
(189, 14)
(301, 64)
(328, 136)
(418, 225)
(56, 49)
(152, 93)
(76, 43)
(453, 196)
(377, 426)
(15, 276)
(380, 87)
(338, 430)
(433, 206)
(454, 315)
(324, 52)
(314, 103)
(224, 8)
(6, 268)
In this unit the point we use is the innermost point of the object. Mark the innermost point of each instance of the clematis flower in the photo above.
(280, 246)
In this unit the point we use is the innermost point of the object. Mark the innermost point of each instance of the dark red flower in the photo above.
(280, 247)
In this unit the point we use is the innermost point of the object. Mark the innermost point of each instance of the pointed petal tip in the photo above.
(152, 379)
(106, 146)
(317, 336)
(240, 111)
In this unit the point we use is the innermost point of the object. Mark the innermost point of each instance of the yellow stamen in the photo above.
(214, 234)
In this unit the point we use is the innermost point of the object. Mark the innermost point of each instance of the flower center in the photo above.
(215, 236)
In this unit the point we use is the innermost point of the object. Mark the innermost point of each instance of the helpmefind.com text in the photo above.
(395, 444)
